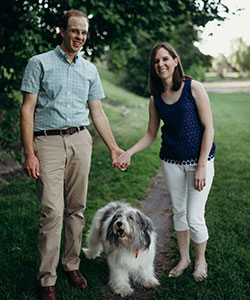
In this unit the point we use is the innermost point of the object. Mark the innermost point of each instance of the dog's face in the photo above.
(129, 226)
(124, 224)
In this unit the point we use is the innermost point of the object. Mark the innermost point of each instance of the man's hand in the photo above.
(32, 167)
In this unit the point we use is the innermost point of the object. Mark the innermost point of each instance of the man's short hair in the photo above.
(71, 13)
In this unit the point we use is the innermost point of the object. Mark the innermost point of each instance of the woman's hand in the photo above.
(200, 177)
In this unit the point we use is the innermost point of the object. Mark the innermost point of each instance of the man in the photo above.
(57, 146)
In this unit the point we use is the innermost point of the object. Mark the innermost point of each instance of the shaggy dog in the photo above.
(127, 237)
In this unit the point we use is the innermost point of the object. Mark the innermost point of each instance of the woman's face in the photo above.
(164, 64)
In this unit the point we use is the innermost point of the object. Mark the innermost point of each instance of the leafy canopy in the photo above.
(29, 27)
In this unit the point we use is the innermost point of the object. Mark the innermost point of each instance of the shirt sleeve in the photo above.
(32, 77)
(96, 90)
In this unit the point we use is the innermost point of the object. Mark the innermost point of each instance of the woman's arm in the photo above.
(205, 114)
(123, 160)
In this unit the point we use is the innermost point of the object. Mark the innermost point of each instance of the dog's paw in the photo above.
(89, 254)
(151, 283)
(124, 291)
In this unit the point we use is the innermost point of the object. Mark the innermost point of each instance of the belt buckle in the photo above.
(71, 130)
(61, 132)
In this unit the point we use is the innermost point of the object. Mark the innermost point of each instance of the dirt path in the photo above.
(228, 87)
(157, 206)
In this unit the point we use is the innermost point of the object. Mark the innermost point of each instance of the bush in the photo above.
(197, 72)
(10, 136)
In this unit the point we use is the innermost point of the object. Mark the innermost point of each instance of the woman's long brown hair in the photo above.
(155, 85)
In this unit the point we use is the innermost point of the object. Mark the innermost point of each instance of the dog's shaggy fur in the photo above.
(128, 238)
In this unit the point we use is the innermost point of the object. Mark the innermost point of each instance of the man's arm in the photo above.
(31, 163)
(102, 126)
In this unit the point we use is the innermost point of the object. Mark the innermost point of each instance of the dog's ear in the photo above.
(146, 228)
(106, 215)
(144, 222)
(110, 236)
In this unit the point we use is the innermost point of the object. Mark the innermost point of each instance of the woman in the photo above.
(186, 153)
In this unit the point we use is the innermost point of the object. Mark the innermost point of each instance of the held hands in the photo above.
(200, 177)
(122, 161)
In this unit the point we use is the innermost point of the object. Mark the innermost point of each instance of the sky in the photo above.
(236, 26)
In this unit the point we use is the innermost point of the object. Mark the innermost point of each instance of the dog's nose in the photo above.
(119, 224)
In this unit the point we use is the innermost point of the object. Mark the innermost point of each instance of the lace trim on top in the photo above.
(186, 162)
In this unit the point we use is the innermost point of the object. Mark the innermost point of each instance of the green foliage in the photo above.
(29, 27)
(134, 61)
(10, 136)
(241, 56)
(238, 61)
(196, 72)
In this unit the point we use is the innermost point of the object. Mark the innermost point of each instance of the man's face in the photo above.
(74, 37)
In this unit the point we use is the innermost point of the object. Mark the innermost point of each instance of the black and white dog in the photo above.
(128, 238)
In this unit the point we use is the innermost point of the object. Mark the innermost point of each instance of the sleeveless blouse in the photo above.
(182, 130)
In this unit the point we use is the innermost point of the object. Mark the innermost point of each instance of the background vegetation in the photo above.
(121, 33)
(237, 62)
(227, 208)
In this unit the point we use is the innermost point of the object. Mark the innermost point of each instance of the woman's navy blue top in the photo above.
(182, 130)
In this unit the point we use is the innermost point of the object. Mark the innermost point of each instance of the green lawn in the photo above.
(227, 209)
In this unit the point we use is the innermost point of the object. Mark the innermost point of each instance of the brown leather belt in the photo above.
(61, 132)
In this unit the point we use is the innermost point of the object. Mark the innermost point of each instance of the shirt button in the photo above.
(69, 93)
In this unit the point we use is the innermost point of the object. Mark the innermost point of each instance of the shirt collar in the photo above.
(63, 55)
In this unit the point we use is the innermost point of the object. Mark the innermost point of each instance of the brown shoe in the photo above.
(47, 293)
(77, 279)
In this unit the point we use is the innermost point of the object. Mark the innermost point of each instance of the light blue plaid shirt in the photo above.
(62, 88)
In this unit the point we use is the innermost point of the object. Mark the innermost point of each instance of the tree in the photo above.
(240, 57)
(133, 61)
(29, 27)
(221, 65)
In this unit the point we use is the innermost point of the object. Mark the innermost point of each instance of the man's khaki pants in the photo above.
(62, 189)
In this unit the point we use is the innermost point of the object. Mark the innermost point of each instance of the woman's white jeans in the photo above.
(187, 202)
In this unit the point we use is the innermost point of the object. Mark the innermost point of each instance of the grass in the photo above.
(19, 206)
(227, 208)
(227, 211)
